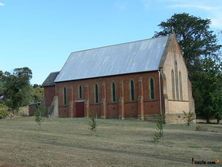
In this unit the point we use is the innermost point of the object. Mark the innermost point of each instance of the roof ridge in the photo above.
(83, 50)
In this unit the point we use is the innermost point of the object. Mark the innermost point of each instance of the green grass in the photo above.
(69, 142)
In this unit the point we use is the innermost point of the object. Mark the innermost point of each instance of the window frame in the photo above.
(152, 90)
(176, 81)
(80, 92)
(65, 96)
(96, 93)
(113, 92)
(132, 90)
(173, 84)
(181, 86)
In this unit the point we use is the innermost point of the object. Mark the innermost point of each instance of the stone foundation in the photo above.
(177, 118)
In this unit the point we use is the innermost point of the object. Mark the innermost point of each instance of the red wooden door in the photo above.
(79, 109)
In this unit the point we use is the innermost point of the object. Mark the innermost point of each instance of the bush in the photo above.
(189, 117)
(3, 111)
(39, 114)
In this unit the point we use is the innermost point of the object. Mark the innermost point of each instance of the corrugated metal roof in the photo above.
(50, 79)
(132, 57)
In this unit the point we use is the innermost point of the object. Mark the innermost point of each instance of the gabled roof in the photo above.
(50, 79)
(126, 58)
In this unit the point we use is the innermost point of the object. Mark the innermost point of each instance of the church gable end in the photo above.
(176, 85)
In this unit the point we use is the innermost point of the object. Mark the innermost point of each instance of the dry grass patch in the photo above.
(68, 142)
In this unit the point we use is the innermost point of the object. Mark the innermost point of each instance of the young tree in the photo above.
(189, 117)
(158, 134)
(40, 112)
(92, 121)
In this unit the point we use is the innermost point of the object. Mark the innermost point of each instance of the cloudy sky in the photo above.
(41, 34)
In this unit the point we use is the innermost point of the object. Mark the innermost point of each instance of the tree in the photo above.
(196, 39)
(17, 88)
(217, 98)
(37, 93)
(1, 83)
(201, 53)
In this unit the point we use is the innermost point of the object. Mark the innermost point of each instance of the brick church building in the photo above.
(139, 79)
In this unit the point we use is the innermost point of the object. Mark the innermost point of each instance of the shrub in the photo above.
(189, 117)
(3, 111)
(39, 113)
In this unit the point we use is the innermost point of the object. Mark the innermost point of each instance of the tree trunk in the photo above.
(208, 120)
(218, 121)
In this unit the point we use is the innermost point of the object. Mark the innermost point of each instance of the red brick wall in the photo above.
(49, 93)
(112, 108)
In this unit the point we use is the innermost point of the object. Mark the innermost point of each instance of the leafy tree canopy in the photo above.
(17, 88)
(37, 93)
(194, 36)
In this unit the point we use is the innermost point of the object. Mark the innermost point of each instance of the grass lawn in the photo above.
(69, 142)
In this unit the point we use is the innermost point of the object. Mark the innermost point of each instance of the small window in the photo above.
(181, 86)
(132, 90)
(65, 96)
(173, 85)
(80, 92)
(151, 88)
(96, 94)
(113, 92)
(177, 83)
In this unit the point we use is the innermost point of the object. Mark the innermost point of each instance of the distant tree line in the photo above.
(16, 90)
(202, 55)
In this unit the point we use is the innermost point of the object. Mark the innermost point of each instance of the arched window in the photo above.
(65, 96)
(96, 94)
(177, 82)
(113, 92)
(173, 84)
(181, 86)
(151, 88)
(132, 90)
(80, 92)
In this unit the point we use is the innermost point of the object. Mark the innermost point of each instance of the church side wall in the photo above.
(141, 107)
(49, 93)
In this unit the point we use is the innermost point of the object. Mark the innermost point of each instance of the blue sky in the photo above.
(40, 34)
